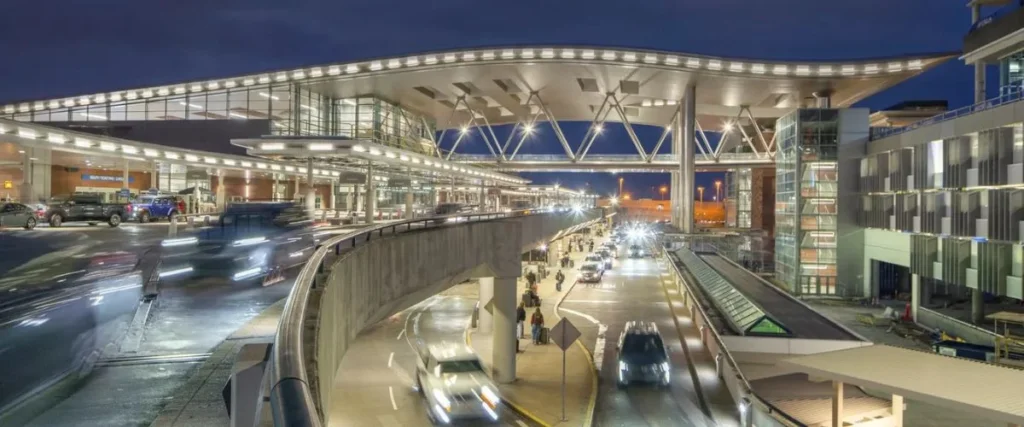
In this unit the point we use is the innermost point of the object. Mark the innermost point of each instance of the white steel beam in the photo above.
(629, 127)
(554, 125)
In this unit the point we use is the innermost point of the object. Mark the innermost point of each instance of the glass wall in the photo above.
(806, 201)
(1011, 73)
(385, 123)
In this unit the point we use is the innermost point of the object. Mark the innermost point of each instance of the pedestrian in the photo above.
(537, 322)
(591, 246)
(531, 278)
(559, 277)
(520, 323)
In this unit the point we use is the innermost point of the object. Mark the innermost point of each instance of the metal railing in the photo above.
(723, 351)
(599, 158)
(1007, 98)
(291, 397)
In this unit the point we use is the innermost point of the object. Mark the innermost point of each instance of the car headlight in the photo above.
(623, 366)
(442, 400)
(665, 367)
(489, 396)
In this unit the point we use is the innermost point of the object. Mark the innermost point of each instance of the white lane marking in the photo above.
(391, 359)
(600, 343)
(521, 423)
(391, 392)
(400, 334)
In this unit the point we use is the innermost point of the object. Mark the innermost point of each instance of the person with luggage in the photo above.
(591, 249)
(559, 278)
(531, 278)
(537, 322)
(520, 324)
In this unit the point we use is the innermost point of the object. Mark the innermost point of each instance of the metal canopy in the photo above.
(743, 315)
(358, 154)
(986, 390)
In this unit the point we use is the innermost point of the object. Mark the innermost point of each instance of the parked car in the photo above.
(149, 207)
(642, 355)
(251, 242)
(86, 207)
(17, 215)
(453, 383)
(57, 315)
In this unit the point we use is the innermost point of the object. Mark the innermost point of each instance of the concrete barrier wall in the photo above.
(967, 331)
(385, 276)
(795, 346)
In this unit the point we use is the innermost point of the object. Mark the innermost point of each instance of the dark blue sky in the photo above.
(69, 47)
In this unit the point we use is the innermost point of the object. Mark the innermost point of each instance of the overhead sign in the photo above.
(125, 192)
(352, 178)
(399, 182)
(564, 334)
(105, 178)
(197, 174)
(8, 185)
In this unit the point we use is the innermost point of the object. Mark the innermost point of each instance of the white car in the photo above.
(452, 380)
(591, 272)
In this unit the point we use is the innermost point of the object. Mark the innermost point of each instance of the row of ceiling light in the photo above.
(651, 58)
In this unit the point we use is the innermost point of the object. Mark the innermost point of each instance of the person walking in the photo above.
(591, 246)
(531, 278)
(520, 323)
(559, 278)
(537, 322)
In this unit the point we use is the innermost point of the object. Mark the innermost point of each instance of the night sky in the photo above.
(70, 47)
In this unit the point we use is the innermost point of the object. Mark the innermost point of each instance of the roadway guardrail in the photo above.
(291, 396)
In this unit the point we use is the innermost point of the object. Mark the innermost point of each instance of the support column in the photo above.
(977, 306)
(837, 403)
(497, 201)
(27, 190)
(125, 177)
(504, 311)
(683, 140)
(674, 196)
(979, 67)
(350, 199)
(154, 175)
(310, 190)
(409, 214)
(915, 295)
(360, 201)
(897, 410)
(221, 192)
(334, 197)
(483, 197)
(485, 318)
(273, 195)
(371, 195)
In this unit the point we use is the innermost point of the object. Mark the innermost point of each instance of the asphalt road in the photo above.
(377, 374)
(632, 290)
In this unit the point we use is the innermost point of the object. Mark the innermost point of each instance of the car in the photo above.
(637, 251)
(17, 215)
(591, 272)
(250, 242)
(454, 386)
(642, 355)
(148, 207)
(58, 316)
(595, 258)
(85, 207)
(606, 258)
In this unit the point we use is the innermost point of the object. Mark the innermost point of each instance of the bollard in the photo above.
(172, 231)
(324, 216)
(190, 221)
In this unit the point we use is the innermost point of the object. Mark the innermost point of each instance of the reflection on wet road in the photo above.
(376, 385)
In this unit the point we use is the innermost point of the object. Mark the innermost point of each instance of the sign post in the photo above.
(564, 334)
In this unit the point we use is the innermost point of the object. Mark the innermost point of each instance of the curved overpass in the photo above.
(356, 280)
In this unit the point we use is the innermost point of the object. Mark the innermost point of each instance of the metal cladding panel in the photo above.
(882, 165)
(966, 210)
(905, 211)
(958, 159)
(932, 210)
(1005, 211)
(923, 254)
(956, 259)
(995, 152)
(921, 179)
(995, 262)
(901, 165)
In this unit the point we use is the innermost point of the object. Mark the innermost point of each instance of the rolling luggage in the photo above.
(544, 338)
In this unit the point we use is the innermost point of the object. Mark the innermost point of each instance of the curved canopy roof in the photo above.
(571, 82)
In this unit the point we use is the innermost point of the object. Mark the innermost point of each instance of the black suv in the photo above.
(642, 355)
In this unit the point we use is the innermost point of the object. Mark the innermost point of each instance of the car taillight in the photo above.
(128, 208)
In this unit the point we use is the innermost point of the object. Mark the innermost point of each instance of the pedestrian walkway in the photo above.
(537, 391)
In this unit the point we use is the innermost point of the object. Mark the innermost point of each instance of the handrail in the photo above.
(291, 398)
(749, 391)
(1015, 95)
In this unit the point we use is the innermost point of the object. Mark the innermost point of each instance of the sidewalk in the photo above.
(537, 391)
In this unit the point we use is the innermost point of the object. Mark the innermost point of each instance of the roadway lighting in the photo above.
(614, 201)
(727, 127)
(598, 129)
(464, 130)
(527, 129)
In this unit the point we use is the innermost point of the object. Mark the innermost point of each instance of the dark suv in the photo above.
(86, 207)
(643, 356)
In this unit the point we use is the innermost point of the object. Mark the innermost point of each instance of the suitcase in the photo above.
(543, 338)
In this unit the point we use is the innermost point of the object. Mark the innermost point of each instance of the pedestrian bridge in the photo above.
(613, 162)
(358, 279)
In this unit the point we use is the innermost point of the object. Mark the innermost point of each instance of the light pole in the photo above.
(700, 190)
(718, 190)
(620, 186)
(663, 190)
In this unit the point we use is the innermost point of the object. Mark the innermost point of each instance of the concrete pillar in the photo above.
(349, 200)
(897, 410)
(979, 67)
(483, 197)
(273, 195)
(433, 195)
(154, 175)
(485, 317)
(497, 201)
(27, 190)
(409, 214)
(915, 295)
(360, 201)
(371, 195)
(334, 196)
(222, 193)
(504, 312)
(310, 190)
(837, 403)
(977, 306)
(683, 140)
(125, 176)
(674, 196)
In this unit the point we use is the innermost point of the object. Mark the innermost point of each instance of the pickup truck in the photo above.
(149, 207)
(85, 207)
(453, 383)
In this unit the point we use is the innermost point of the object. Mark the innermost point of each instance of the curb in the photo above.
(699, 391)
(519, 409)
(592, 403)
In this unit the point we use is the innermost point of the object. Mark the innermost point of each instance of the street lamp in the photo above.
(625, 196)
(620, 185)
(663, 190)
(614, 201)
(718, 190)
(700, 190)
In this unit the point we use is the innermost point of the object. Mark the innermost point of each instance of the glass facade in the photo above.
(806, 201)
(1011, 73)
(290, 108)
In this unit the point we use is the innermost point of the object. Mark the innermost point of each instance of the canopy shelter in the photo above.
(984, 390)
